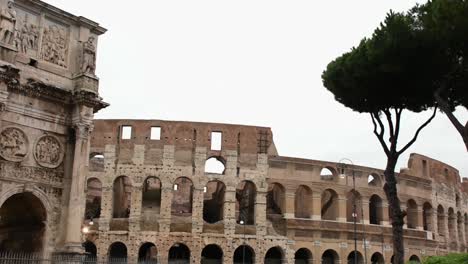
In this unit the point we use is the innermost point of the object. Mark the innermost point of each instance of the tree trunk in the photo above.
(397, 215)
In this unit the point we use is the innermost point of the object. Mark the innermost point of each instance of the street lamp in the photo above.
(243, 243)
(343, 175)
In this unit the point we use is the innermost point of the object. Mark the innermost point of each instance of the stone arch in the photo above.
(328, 174)
(329, 205)
(355, 257)
(182, 197)
(374, 180)
(460, 224)
(276, 199)
(179, 254)
(274, 255)
(117, 252)
(244, 254)
(93, 198)
(330, 256)
(427, 217)
(246, 193)
(466, 228)
(23, 223)
(216, 165)
(148, 253)
(414, 259)
(377, 258)
(353, 206)
(303, 256)
(151, 197)
(412, 214)
(122, 190)
(441, 220)
(457, 201)
(213, 201)
(303, 202)
(212, 254)
(375, 210)
(90, 252)
(96, 161)
(452, 222)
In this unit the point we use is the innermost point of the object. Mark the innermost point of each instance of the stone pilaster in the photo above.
(165, 212)
(419, 219)
(290, 204)
(197, 210)
(135, 208)
(230, 210)
(341, 217)
(365, 210)
(260, 213)
(316, 206)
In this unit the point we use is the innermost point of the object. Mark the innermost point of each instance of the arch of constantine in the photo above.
(154, 191)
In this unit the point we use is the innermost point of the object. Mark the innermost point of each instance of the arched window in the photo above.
(355, 257)
(212, 254)
(375, 210)
(412, 214)
(91, 252)
(246, 193)
(148, 254)
(303, 256)
(326, 174)
(96, 162)
(179, 253)
(93, 199)
(274, 256)
(353, 206)
(244, 254)
(275, 199)
(452, 222)
(182, 197)
(330, 257)
(118, 253)
(427, 217)
(374, 180)
(441, 220)
(213, 201)
(122, 194)
(460, 225)
(377, 258)
(215, 165)
(329, 205)
(151, 200)
(414, 259)
(303, 202)
(22, 218)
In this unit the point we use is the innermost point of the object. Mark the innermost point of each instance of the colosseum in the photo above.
(154, 191)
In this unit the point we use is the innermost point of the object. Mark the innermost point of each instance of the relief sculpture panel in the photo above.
(48, 152)
(26, 33)
(55, 44)
(7, 23)
(13, 144)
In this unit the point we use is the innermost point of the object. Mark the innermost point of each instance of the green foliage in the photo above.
(449, 259)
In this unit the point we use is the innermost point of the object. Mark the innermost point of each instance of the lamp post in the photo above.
(354, 215)
(243, 243)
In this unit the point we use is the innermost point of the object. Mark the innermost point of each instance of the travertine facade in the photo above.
(170, 191)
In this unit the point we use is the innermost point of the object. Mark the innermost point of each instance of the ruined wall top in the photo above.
(49, 45)
(426, 167)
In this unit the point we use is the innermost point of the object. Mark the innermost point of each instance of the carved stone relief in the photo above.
(55, 44)
(13, 144)
(48, 152)
(7, 23)
(26, 33)
(88, 64)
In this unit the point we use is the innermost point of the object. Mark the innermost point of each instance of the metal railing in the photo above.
(39, 258)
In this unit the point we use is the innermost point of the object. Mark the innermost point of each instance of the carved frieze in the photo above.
(48, 151)
(36, 174)
(88, 64)
(26, 33)
(14, 144)
(7, 23)
(55, 44)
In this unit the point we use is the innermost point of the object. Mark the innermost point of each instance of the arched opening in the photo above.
(375, 210)
(427, 217)
(212, 254)
(373, 180)
(246, 193)
(22, 224)
(330, 257)
(326, 174)
(303, 256)
(244, 255)
(275, 200)
(452, 222)
(353, 206)
(148, 254)
(377, 258)
(440, 220)
(303, 202)
(122, 195)
(151, 200)
(466, 227)
(182, 197)
(93, 199)
(457, 200)
(414, 259)
(329, 205)
(391, 259)
(355, 257)
(179, 254)
(412, 214)
(96, 162)
(90, 249)
(213, 201)
(215, 165)
(460, 224)
(118, 253)
(274, 256)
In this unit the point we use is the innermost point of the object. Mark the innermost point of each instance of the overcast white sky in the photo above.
(250, 62)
